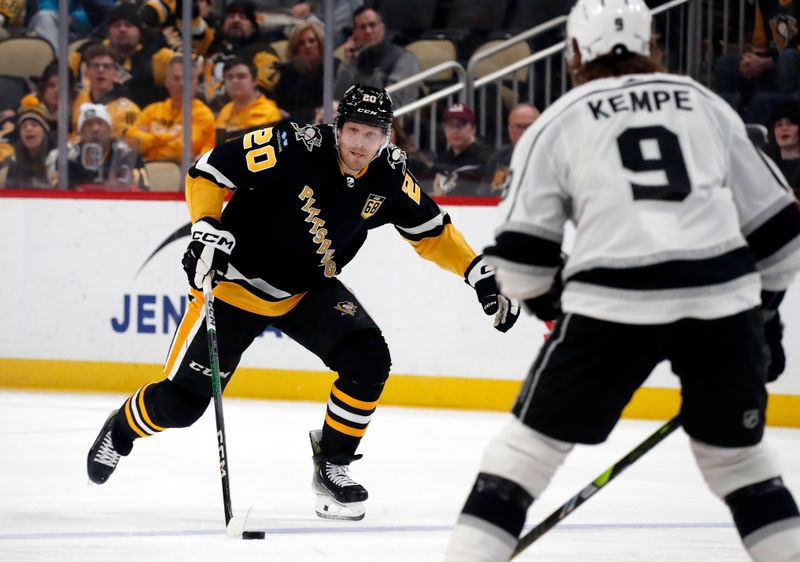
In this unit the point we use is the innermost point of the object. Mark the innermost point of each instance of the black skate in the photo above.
(338, 496)
(103, 457)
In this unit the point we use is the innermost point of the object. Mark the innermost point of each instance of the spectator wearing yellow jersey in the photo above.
(103, 89)
(158, 133)
(248, 108)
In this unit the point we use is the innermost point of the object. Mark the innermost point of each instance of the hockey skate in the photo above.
(103, 457)
(338, 496)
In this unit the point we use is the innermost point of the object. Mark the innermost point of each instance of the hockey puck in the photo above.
(253, 535)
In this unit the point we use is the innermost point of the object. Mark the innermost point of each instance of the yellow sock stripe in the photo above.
(341, 428)
(350, 401)
(130, 419)
(143, 411)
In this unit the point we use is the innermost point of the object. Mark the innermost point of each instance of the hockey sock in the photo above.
(350, 408)
(491, 521)
(156, 407)
(768, 520)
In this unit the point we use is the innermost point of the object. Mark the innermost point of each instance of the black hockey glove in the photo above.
(773, 330)
(210, 250)
(547, 307)
(480, 276)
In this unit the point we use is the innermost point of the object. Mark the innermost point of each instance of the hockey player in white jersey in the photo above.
(686, 239)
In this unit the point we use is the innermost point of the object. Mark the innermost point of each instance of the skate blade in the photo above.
(328, 508)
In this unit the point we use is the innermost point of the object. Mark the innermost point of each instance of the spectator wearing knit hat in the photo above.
(27, 168)
(240, 37)
(459, 169)
(98, 161)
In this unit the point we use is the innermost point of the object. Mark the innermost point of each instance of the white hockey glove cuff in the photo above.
(209, 251)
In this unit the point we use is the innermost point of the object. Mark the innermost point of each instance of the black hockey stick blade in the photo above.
(596, 485)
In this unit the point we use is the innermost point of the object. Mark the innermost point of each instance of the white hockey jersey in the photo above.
(677, 214)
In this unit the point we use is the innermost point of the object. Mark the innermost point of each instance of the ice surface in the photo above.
(164, 501)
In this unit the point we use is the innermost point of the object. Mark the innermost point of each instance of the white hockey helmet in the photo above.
(599, 26)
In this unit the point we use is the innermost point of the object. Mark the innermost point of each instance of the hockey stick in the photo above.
(237, 528)
(596, 485)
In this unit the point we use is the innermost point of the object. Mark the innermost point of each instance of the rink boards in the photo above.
(95, 289)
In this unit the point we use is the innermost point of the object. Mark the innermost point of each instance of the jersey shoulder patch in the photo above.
(396, 157)
(309, 135)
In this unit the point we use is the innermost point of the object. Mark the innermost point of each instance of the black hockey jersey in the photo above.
(298, 217)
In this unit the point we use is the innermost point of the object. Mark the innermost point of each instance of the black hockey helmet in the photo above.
(367, 105)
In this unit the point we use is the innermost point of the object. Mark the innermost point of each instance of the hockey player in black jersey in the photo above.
(686, 236)
(304, 199)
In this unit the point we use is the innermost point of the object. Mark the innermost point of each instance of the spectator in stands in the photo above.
(459, 170)
(240, 37)
(164, 16)
(299, 91)
(769, 73)
(46, 95)
(496, 175)
(84, 15)
(370, 58)
(342, 15)
(135, 54)
(319, 114)
(206, 11)
(27, 168)
(12, 18)
(103, 88)
(248, 109)
(784, 141)
(158, 133)
(98, 161)
(420, 164)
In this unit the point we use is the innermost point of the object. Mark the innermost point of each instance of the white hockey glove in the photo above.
(480, 276)
(210, 250)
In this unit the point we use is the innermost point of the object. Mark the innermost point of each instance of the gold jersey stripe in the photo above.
(204, 198)
(131, 422)
(143, 410)
(341, 428)
(187, 323)
(354, 402)
(236, 295)
(449, 250)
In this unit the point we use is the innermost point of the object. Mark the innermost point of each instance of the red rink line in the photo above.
(179, 196)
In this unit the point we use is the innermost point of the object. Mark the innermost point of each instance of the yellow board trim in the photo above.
(346, 429)
(276, 384)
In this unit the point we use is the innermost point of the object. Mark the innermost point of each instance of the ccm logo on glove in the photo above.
(214, 239)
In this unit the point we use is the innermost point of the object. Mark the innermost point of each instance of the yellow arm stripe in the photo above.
(449, 250)
(143, 410)
(341, 428)
(131, 422)
(350, 401)
(204, 197)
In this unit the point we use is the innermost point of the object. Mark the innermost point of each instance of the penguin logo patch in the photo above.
(346, 307)
(396, 156)
(308, 135)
